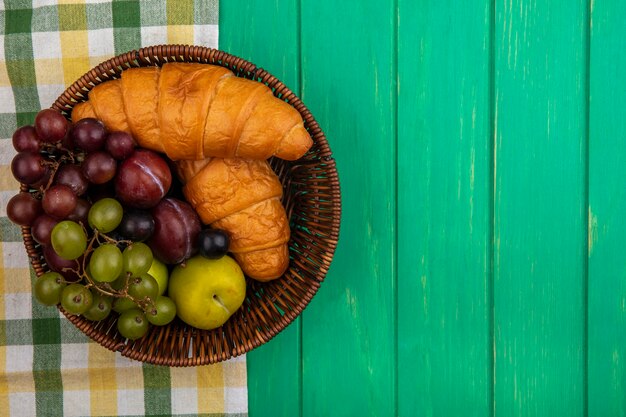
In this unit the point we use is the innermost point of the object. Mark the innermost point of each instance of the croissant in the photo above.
(194, 111)
(241, 197)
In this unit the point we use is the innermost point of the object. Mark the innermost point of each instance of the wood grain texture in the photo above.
(444, 209)
(268, 35)
(607, 210)
(540, 207)
(348, 82)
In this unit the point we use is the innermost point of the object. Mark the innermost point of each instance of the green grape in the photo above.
(76, 299)
(123, 304)
(100, 307)
(106, 263)
(162, 312)
(48, 288)
(105, 215)
(68, 240)
(132, 324)
(137, 259)
(143, 286)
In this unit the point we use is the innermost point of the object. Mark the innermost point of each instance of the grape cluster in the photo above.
(92, 222)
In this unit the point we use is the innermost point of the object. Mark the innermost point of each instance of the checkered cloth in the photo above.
(47, 366)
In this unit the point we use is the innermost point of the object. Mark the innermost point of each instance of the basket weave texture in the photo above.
(312, 199)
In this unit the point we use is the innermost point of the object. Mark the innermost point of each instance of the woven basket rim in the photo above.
(178, 344)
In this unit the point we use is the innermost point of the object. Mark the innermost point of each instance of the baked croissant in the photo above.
(194, 111)
(241, 197)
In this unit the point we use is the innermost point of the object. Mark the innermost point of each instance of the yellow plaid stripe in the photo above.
(46, 365)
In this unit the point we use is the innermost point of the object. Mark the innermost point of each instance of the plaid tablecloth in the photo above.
(47, 366)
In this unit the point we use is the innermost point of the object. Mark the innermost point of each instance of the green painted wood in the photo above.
(348, 82)
(444, 209)
(540, 246)
(607, 210)
(267, 33)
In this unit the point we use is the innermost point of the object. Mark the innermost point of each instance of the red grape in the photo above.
(28, 167)
(25, 139)
(99, 167)
(51, 126)
(79, 215)
(72, 176)
(143, 179)
(120, 145)
(42, 228)
(23, 209)
(176, 229)
(58, 264)
(59, 201)
(89, 134)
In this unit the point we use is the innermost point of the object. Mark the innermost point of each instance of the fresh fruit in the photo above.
(68, 240)
(65, 267)
(143, 179)
(176, 228)
(28, 167)
(59, 201)
(162, 312)
(76, 298)
(99, 167)
(51, 126)
(143, 287)
(48, 288)
(42, 228)
(132, 324)
(23, 208)
(137, 259)
(72, 176)
(213, 243)
(81, 212)
(106, 263)
(89, 134)
(105, 215)
(25, 139)
(137, 225)
(120, 145)
(207, 291)
(100, 307)
(158, 271)
(123, 304)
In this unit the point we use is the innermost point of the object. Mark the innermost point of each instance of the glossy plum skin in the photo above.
(142, 179)
(176, 229)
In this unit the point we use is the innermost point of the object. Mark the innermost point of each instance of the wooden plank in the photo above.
(444, 209)
(267, 33)
(540, 244)
(607, 208)
(348, 82)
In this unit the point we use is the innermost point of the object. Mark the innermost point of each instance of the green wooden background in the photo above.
(481, 147)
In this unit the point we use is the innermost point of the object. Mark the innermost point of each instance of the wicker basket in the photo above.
(311, 197)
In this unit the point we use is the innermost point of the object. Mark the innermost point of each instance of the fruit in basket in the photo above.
(59, 201)
(100, 307)
(213, 243)
(48, 288)
(76, 298)
(89, 135)
(194, 111)
(207, 291)
(133, 324)
(28, 167)
(99, 167)
(176, 228)
(23, 208)
(120, 145)
(105, 215)
(136, 225)
(51, 126)
(163, 311)
(143, 179)
(106, 263)
(68, 240)
(158, 271)
(25, 139)
(137, 258)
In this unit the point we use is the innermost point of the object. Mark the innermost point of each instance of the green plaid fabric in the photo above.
(47, 366)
